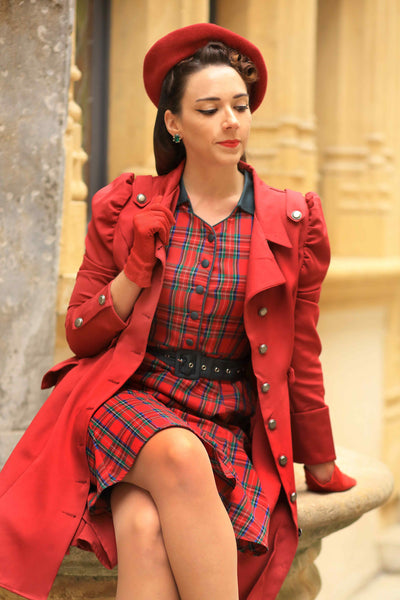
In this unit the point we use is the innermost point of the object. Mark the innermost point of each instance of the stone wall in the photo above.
(35, 49)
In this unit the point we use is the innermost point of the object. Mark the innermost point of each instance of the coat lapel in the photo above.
(269, 226)
(263, 271)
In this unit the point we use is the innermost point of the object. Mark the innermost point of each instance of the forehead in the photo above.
(214, 81)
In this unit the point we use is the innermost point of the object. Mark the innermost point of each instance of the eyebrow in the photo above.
(215, 98)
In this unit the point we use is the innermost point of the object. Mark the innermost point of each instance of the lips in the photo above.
(230, 143)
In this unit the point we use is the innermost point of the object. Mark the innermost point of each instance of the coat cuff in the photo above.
(93, 324)
(312, 437)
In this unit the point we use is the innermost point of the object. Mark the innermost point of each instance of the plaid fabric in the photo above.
(201, 307)
(201, 304)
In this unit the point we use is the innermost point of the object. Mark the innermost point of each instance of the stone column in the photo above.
(135, 27)
(358, 95)
(282, 144)
(35, 49)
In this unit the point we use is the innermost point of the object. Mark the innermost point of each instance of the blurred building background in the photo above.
(330, 122)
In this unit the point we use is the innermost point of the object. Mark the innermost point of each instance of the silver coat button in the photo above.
(272, 424)
(296, 215)
(262, 311)
(102, 299)
(262, 348)
(141, 198)
(78, 322)
(282, 460)
(293, 497)
(265, 387)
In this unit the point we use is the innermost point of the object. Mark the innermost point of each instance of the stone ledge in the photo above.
(82, 576)
(319, 516)
(322, 514)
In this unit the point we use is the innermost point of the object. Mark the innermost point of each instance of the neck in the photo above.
(219, 182)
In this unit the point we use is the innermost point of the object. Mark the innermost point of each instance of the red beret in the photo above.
(184, 42)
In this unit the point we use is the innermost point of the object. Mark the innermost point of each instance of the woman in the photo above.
(168, 442)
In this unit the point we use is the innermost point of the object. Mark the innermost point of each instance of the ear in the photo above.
(172, 123)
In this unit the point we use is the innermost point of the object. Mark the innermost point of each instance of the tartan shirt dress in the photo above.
(115, 393)
(200, 308)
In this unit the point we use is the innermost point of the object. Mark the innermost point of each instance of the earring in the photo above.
(176, 138)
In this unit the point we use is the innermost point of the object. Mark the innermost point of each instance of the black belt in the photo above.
(191, 364)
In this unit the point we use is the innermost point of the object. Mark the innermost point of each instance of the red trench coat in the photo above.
(44, 484)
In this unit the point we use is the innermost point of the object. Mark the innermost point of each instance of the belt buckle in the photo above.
(187, 364)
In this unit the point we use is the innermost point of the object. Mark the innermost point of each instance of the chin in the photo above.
(228, 158)
(231, 160)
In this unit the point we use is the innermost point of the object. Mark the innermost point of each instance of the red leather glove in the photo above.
(339, 482)
(150, 221)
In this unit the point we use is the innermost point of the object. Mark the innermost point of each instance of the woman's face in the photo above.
(214, 121)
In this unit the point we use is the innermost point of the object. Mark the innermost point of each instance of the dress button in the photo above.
(141, 198)
(282, 460)
(211, 237)
(194, 315)
(265, 387)
(189, 342)
(272, 424)
(205, 263)
(262, 311)
(199, 289)
(78, 322)
(296, 215)
(102, 299)
(293, 497)
(262, 348)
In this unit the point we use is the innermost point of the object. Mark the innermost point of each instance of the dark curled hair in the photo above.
(168, 155)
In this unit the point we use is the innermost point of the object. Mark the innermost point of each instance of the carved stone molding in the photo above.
(74, 217)
(361, 280)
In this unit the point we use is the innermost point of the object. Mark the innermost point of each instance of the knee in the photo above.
(182, 460)
(145, 523)
(137, 528)
(135, 515)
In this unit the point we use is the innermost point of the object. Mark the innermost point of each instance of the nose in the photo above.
(231, 120)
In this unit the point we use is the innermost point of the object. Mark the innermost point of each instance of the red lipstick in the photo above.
(230, 143)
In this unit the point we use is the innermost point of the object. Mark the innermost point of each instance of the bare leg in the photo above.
(175, 469)
(143, 567)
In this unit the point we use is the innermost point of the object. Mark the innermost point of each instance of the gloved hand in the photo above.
(339, 482)
(150, 221)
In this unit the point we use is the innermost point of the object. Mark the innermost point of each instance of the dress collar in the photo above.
(246, 200)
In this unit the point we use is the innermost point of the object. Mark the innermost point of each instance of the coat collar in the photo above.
(167, 186)
(268, 212)
(269, 226)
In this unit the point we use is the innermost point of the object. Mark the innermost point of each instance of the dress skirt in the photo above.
(122, 425)
(200, 307)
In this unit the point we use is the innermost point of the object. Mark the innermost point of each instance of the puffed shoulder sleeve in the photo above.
(316, 251)
(92, 322)
(311, 427)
